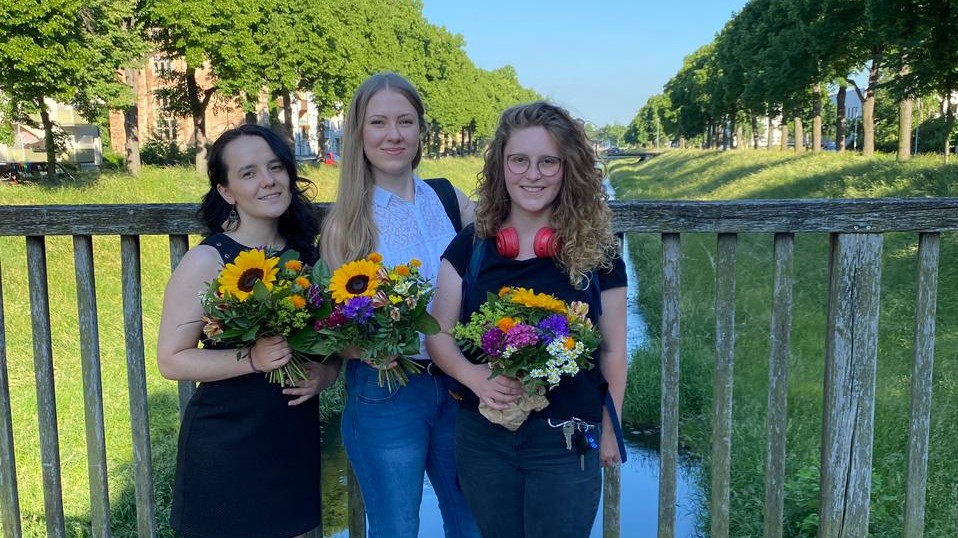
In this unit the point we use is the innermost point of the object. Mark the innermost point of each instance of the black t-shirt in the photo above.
(579, 396)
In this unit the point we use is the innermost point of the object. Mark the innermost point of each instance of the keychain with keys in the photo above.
(567, 430)
(584, 442)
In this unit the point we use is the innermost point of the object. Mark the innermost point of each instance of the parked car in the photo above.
(614, 150)
(16, 172)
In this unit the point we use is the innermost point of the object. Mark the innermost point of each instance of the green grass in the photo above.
(156, 185)
(755, 174)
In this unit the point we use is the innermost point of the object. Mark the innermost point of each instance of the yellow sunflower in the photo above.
(354, 279)
(531, 299)
(250, 266)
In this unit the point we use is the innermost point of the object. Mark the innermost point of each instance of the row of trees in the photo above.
(781, 59)
(88, 53)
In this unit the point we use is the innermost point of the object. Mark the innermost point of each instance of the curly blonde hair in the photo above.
(580, 213)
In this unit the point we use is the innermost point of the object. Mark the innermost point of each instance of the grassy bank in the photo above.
(156, 185)
(751, 174)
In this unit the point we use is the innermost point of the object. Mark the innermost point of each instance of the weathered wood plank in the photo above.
(722, 400)
(921, 384)
(92, 386)
(46, 394)
(669, 439)
(355, 505)
(647, 216)
(777, 420)
(612, 502)
(818, 215)
(136, 380)
(179, 244)
(851, 350)
(9, 497)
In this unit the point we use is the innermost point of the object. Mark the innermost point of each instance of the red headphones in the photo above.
(543, 245)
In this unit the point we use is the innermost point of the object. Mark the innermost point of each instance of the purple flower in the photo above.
(315, 296)
(334, 320)
(492, 342)
(552, 327)
(522, 335)
(359, 309)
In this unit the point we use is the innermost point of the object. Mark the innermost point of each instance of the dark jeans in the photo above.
(525, 483)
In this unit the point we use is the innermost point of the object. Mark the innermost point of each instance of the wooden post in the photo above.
(669, 439)
(921, 384)
(136, 379)
(724, 370)
(777, 421)
(611, 502)
(46, 393)
(9, 498)
(92, 386)
(355, 507)
(179, 244)
(851, 350)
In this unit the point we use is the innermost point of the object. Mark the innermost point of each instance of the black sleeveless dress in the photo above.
(248, 464)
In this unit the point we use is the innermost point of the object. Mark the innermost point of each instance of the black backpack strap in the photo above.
(447, 195)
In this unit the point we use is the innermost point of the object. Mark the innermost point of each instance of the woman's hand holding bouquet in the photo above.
(379, 311)
(533, 337)
(259, 296)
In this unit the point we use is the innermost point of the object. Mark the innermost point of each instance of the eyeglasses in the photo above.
(548, 166)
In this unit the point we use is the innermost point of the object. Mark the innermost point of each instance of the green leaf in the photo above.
(426, 324)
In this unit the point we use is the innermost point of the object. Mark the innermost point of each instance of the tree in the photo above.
(67, 51)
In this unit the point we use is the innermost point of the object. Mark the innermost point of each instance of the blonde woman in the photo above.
(395, 435)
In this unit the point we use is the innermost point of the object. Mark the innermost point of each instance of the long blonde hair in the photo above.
(349, 230)
(580, 213)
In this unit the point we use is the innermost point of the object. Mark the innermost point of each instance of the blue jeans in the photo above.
(526, 483)
(392, 439)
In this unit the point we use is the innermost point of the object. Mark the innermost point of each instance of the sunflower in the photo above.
(353, 279)
(531, 299)
(250, 266)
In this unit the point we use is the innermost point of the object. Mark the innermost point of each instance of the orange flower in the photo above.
(415, 263)
(503, 291)
(569, 343)
(506, 323)
(298, 301)
(375, 257)
(402, 270)
(294, 265)
(302, 282)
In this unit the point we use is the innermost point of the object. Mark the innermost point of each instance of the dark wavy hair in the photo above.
(298, 224)
(580, 213)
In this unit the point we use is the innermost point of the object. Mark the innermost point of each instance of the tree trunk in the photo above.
(198, 106)
(783, 145)
(131, 123)
(868, 108)
(681, 141)
(250, 118)
(50, 143)
(739, 136)
(321, 137)
(288, 118)
(840, 119)
(754, 122)
(768, 135)
(904, 129)
(799, 135)
(949, 124)
(817, 119)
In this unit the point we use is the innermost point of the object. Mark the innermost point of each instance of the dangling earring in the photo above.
(232, 221)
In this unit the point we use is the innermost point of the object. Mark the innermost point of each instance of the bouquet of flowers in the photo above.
(380, 310)
(261, 294)
(533, 337)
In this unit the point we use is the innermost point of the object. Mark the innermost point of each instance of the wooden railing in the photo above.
(856, 228)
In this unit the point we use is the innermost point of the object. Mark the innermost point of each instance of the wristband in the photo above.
(252, 366)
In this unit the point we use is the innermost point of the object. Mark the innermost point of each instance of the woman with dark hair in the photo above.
(542, 222)
(395, 435)
(247, 461)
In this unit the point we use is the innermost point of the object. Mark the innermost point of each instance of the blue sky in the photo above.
(602, 60)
